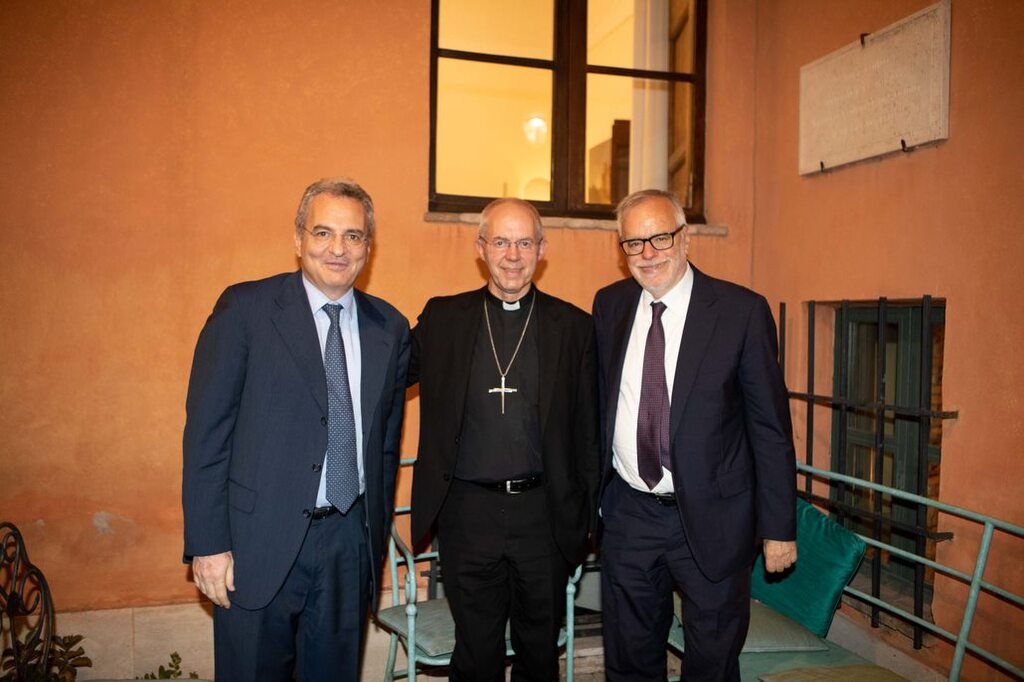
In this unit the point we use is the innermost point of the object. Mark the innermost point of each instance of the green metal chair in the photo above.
(426, 629)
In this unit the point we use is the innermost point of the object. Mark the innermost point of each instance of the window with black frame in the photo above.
(885, 368)
(570, 104)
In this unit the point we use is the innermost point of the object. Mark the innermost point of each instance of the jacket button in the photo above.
(318, 467)
(456, 440)
(323, 421)
(447, 476)
(307, 513)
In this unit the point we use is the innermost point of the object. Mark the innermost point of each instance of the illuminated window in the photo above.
(568, 103)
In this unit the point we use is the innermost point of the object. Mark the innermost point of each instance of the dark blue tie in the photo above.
(652, 446)
(342, 469)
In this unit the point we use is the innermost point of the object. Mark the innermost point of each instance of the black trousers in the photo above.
(644, 554)
(499, 562)
(314, 626)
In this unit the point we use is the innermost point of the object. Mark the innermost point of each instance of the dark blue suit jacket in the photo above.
(734, 468)
(256, 428)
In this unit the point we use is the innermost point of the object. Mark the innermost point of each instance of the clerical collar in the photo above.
(508, 305)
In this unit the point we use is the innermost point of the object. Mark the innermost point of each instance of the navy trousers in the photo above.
(313, 629)
(644, 555)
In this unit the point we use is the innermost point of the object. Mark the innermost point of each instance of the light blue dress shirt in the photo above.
(349, 322)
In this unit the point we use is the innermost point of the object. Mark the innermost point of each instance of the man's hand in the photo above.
(215, 576)
(779, 555)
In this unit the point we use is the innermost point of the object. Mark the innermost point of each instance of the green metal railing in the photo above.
(975, 580)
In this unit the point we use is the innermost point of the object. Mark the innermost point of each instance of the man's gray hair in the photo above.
(639, 197)
(342, 188)
(538, 226)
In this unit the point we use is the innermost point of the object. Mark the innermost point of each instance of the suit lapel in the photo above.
(465, 326)
(294, 322)
(697, 333)
(549, 347)
(623, 316)
(375, 350)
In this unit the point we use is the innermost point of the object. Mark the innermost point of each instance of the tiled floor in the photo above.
(127, 643)
(590, 660)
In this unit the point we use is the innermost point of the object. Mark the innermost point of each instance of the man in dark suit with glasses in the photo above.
(697, 455)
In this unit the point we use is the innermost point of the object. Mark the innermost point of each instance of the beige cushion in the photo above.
(847, 673)
(769, 631)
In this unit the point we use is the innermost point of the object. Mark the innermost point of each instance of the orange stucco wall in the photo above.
(944, 220)
(152, 153)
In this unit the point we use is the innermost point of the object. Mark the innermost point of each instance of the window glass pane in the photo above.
(493, 130)
(681, 142)
(524, 28)
(892, 347)
(644, 34)
(864, 373)
(859, 465)
(639, 136)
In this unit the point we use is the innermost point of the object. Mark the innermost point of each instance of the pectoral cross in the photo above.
(502, 390)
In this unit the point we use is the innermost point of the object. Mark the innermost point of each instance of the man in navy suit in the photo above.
(697, 454)
(294, 416)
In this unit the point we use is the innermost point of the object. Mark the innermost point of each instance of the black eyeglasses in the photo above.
(658, 242)
(322, 237)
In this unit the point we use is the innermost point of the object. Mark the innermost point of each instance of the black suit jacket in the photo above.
(442, 349)
(256, 428)
(734, 468)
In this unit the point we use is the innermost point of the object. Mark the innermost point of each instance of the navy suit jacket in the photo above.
(733, 464)
(256, 428)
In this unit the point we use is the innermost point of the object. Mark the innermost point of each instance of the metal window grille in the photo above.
(842, 404)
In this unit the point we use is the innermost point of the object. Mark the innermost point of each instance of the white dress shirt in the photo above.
(348, 320)
(677, 303)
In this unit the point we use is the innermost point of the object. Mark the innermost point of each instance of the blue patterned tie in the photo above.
(342, 469)
(652, 447)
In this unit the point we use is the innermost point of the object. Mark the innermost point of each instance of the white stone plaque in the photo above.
(887, 92)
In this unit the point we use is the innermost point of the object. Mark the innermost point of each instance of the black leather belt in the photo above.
(664, 499)
(318, 513)
(322, 512)
(513, 486)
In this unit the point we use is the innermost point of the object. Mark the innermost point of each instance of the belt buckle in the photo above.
(508, 488)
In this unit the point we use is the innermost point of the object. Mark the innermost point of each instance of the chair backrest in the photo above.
(401, 554)
(827, 557)
(26, 609)
(425, 626)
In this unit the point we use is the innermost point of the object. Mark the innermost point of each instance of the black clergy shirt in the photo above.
(495, 446)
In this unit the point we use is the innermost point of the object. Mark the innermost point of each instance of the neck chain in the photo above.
(490, 335)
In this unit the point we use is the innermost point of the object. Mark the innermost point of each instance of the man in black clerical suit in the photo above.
(508, 452)
(697, 451)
